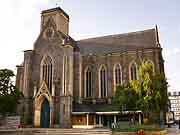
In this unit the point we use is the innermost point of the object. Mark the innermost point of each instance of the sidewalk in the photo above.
(173, 130)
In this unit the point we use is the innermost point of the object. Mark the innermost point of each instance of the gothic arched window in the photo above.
(88, 82)
(117, 75)
(133, 71)
(47, 72)
(103, 82)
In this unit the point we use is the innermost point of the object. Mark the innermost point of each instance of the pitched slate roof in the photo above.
(119, 42)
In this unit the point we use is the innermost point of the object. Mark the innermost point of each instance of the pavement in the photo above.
(174, 130)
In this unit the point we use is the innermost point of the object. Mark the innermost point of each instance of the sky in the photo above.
(20, 26)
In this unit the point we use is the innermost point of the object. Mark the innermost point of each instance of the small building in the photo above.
(69, 83)
(174, 98)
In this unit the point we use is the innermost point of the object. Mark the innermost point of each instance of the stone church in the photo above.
(69, 83)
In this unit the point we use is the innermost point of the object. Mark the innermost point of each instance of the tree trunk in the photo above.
(162, 119)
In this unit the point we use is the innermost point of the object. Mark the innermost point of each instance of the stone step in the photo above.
(73, 132)
(87, 133)
(60, 130)
(52, 131)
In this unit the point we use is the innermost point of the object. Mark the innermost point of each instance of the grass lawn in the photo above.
(125, 127)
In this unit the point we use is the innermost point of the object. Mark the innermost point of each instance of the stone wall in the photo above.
(124, 59)
(10, 122)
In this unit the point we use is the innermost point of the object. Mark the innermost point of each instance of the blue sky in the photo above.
(20, 25)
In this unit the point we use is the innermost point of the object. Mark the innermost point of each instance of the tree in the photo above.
(148, 93)
(160, 95)
(9, 94)
(151, 89)
(125, 97)
(143, 86)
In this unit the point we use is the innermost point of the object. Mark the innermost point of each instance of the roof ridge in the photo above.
(115, 35)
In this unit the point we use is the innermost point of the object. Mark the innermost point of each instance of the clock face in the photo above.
(49, 32)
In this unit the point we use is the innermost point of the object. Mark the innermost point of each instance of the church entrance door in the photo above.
(45, 114)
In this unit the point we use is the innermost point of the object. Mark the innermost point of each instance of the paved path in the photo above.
(173, 130)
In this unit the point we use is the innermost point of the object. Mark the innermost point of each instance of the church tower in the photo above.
(46, 75)
(60, 18)
(54, 93)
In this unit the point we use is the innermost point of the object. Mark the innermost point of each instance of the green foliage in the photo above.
(148, 93)
(151, 89)
(160, 94)
(26, 120)
(125, 127)
(9, 94)
(125, 97)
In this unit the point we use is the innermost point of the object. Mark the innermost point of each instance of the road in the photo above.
(173, 130)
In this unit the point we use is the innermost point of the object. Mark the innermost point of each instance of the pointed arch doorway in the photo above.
(45, 114)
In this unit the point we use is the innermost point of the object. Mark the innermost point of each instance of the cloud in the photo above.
(172, 65)
(20, 21)
(171, 52)
(173, 85)
(178, 28)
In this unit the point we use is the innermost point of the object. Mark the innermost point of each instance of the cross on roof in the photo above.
(58, 3)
